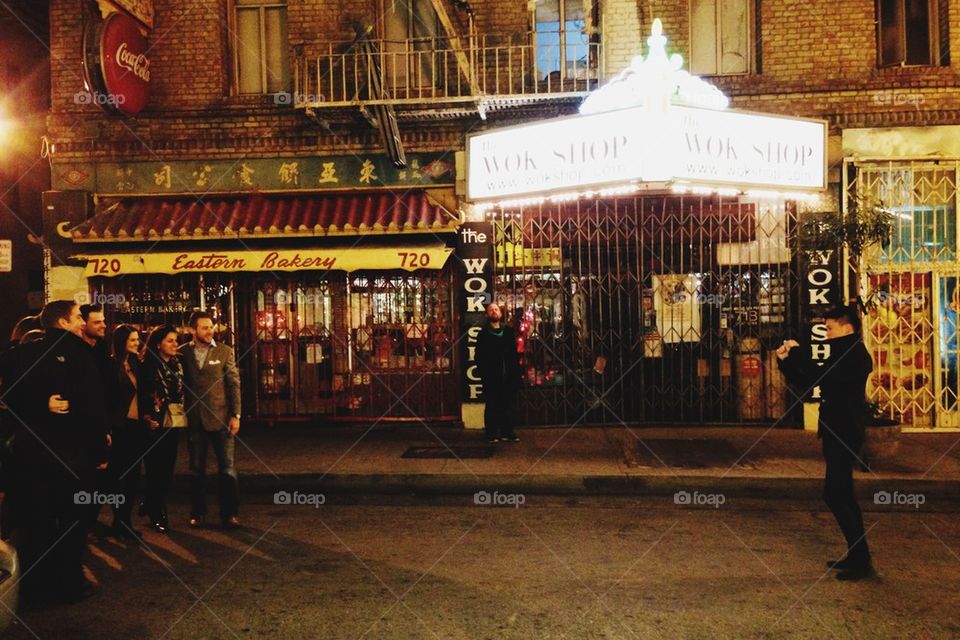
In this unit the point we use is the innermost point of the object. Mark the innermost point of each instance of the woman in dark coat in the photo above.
(128, 432)
(160, 383)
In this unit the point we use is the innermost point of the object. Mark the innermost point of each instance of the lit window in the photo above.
(260, 46)
(563, 37)
(720, 37)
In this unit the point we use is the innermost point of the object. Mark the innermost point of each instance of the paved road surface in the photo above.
(550, 568)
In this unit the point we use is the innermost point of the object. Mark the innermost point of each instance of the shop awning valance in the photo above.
(264, 216)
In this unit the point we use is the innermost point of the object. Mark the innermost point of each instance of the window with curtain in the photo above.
(562, 29)
(411, 32)
(260, 46)
(720, 37)
(910, 32)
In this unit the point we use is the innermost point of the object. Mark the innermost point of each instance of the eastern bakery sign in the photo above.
(117, 65)
(407, 258)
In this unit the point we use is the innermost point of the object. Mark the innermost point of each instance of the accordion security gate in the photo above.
(365, 346)
(659, 309)
(912, 289)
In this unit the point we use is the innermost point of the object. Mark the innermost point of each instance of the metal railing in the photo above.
(431, 71)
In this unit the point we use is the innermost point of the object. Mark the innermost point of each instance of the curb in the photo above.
(433, 484)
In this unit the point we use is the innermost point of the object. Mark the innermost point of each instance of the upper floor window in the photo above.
(260, 46)
(563, 32)
(911, 32)
(411, 34)
(720, 37)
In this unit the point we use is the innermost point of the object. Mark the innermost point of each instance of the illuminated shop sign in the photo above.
(656, 124)
(408, 258)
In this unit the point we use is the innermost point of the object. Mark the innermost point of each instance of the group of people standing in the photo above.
(86, 415)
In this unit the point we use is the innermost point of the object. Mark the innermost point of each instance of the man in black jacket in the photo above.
(62, 440)
(94, 333)
(842, 380)
(499, 371)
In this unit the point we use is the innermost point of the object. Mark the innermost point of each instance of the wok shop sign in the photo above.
(475, 248)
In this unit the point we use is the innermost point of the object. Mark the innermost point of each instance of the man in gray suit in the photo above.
(212, 390)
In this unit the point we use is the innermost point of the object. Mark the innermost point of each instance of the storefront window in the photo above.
(399, 322)
(924, 217)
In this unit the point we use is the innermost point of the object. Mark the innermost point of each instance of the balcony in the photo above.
(429, 79)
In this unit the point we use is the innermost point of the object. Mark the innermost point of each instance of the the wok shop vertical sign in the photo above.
(475, 248)
(821, 291)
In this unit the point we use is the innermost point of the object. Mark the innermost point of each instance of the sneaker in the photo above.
(510, 439)
(493, 440)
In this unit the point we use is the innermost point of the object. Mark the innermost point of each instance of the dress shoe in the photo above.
(233, 522)
(510, 439)
(839, 565)
(493, 440)
(159, 526)
(854, 573)
(197, 522)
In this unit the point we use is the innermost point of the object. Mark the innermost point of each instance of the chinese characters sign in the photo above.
(256, 174)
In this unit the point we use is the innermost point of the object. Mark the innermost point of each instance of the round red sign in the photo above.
(125, 65)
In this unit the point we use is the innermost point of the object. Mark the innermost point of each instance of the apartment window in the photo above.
(563, 32)
(720, 37)
(411, 32)
(910, 32)
(260, 46)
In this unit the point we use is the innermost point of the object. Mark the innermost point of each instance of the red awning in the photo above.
(263, 216)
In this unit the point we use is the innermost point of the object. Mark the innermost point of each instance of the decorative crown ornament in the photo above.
(654, 82)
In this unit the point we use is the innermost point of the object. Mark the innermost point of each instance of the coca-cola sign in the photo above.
(125, 63)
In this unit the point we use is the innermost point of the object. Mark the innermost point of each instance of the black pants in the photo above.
(51, 538)
(159, 463)
(498, 413)
(223, 445)
(839, 495)
(126, 458)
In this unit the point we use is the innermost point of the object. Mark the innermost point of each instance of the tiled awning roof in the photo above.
(263, 216)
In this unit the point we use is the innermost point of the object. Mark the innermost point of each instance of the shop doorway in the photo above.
(657, 309)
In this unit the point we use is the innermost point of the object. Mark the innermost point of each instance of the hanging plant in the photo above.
(867, 224)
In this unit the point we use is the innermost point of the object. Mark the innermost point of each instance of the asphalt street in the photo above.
(519, 566)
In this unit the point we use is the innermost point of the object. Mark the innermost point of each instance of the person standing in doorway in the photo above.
(843, 414)
(160, 404)
(499, 368)
(213, 412)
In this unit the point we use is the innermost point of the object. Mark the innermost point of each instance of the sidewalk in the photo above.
(751, 462)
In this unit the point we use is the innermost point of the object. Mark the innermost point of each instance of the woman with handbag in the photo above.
(128, 432)
(160, 403)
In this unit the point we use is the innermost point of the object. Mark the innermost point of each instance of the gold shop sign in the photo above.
(407, 258)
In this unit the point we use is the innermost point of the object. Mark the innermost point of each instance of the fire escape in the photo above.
(445, 76)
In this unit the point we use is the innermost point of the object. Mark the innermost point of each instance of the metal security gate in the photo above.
(660, 309)
(366, 346)
(911, 284)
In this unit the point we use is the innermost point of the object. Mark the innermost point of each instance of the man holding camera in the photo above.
(842, 381)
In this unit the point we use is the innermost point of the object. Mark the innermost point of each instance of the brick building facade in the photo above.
(465, 67)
